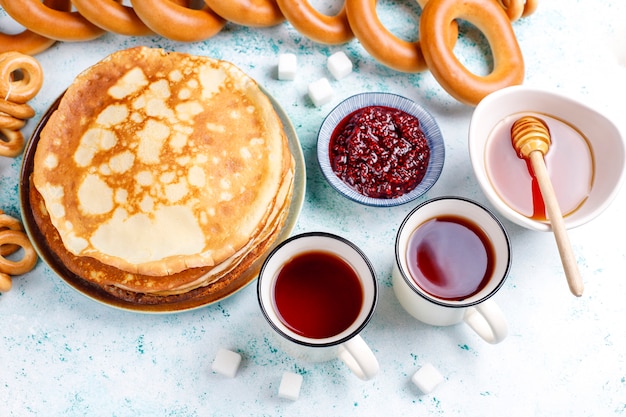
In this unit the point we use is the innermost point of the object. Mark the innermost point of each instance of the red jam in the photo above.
(379, 151)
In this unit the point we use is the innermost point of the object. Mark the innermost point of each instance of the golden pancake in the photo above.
(107, 276)
(115, 282)
(158, 164)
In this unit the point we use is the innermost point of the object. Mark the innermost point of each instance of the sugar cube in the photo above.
(339, 65)
(290, 386)
(287, 66)
(320, 92)
(226, 362)
(427, 378)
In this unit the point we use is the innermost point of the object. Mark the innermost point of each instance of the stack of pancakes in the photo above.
(161, 176)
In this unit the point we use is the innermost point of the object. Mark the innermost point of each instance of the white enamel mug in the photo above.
(346, 345)
(479, 311)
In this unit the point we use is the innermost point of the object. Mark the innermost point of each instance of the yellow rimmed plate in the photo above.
(99, 295)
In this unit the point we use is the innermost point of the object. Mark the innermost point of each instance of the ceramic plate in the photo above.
(101, 296)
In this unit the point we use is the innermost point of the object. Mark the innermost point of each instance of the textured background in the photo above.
(63, 354)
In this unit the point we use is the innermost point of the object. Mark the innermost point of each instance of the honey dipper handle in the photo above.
(555, 216)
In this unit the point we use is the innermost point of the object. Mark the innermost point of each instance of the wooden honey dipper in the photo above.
(531, 140)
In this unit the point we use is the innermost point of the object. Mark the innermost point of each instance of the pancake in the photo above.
(161, 173)
(115, 282)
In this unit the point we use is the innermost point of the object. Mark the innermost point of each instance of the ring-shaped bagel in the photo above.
(10, 123)
(513, 8)
(6, 283)
(493, 22)
(254, 13)
(330, 30)
(516, 9)
(113, 17)
(61, 25)
(27, 41)
(9, 223)
(11, 142)
(178, 22)
(28, 260)
(17, 110)
(530, 7)
(383, 45)
(28, 85)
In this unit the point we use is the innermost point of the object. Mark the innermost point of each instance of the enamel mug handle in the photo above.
(488, 321)
(359, 358)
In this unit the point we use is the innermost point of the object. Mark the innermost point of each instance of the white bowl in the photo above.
(603, 136)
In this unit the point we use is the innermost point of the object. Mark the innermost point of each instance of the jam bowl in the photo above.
(585, 160)
(380, 149)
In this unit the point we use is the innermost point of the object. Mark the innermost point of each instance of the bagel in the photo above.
(516, 9)
(17, 110)
(493, 22)
(55, 24)
(530, 7)
(11, 142)
(178, 22)
(8, 223)
(255, 13)
(28, 85)
(383, 45)
(113, 17)
(10, 122)
(6, 283)
(28, 260)
(27, 41)
(317, 26)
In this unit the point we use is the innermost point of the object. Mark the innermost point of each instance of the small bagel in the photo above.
(492, 21)
(10, 123)
(254, 13)
(530, 7)
(6, 283)
(383, 45)
(330, 30)
(17, 110)
(178, 22)
(54, 24)
(516, 9)
(30, 82)
(513, 8)
(29, 259)
(11, 142)
(9, 223)
(113, 17)
(27, 41)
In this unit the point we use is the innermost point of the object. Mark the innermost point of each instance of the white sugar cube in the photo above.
(339, 65)
(287, 66)
(290, 386)
(320, 92)
(226, 362)
(427, 378)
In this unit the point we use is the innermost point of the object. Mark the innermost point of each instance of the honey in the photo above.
(569, 162)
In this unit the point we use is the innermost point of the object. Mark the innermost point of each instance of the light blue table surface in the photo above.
(62, 354)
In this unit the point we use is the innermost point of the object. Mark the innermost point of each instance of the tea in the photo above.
(317, 294)
(450, 257)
